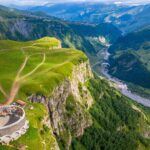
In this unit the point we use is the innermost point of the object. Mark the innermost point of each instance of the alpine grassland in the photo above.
(46, 66)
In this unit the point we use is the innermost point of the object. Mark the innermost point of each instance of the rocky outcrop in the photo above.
(68, 103)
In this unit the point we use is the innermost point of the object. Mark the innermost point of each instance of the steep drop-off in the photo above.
(67, 106)
(52, 84)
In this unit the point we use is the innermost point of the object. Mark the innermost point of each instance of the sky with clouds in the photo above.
(42, 2)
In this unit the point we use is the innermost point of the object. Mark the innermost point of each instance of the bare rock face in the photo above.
(80, 75)
(22, 27)
(68, 105)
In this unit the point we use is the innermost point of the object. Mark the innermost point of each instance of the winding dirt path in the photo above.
(17, 81)
(19, 78)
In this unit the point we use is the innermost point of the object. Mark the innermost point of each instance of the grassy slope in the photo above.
(58, 65)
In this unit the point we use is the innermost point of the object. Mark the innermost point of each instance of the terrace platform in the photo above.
(12, 123)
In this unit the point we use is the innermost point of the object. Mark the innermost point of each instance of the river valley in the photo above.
(120, 85)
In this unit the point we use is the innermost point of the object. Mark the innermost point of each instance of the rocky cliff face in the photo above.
(68, 105)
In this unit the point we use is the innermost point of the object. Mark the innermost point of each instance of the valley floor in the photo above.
(122, 87)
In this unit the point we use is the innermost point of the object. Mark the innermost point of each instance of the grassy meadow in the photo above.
(56, 67)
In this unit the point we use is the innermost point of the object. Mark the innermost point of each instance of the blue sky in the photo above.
(41, 2)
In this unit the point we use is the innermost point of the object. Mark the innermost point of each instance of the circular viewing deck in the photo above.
(10, 115)
(12, 123)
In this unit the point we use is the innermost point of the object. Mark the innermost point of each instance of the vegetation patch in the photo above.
(116, 125)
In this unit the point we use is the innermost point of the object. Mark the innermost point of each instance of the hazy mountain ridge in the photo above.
(28, 26)
(127, 18)
(133, 41)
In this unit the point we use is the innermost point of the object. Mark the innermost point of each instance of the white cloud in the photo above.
(41, 2)
(23, 2)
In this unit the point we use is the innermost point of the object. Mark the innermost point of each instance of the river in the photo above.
(123, 88)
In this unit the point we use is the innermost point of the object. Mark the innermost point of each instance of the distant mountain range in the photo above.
(24, 25)
(138, 40)
(126, 17)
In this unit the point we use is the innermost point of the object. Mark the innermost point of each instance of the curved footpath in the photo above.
(123, 87)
